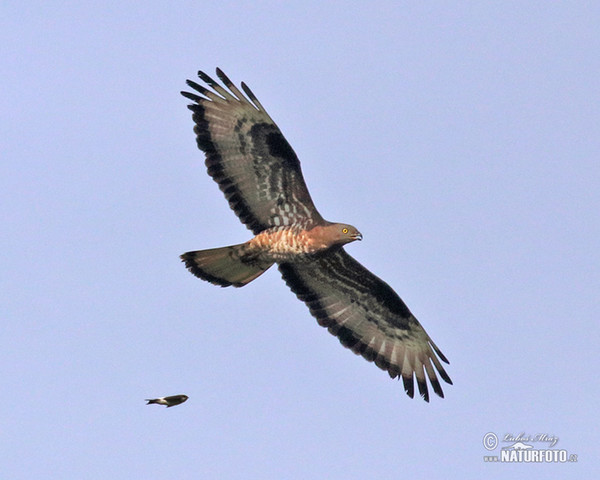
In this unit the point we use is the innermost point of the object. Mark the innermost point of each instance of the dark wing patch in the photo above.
(280, 148)
(247, 155)
(368, 317)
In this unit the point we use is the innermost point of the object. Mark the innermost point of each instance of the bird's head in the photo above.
(344, 233)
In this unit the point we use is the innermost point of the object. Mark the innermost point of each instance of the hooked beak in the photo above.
(357, 236)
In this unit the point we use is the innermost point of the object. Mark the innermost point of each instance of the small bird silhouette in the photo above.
(168, 401)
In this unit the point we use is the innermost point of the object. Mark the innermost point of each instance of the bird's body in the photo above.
(260, 175)
(238, 265)
(296, 242)
(168, 401)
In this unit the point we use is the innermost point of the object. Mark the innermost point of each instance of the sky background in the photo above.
(461, 138)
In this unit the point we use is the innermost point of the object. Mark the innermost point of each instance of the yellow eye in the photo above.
(344, 230)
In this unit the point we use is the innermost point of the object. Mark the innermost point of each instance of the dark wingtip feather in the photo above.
(195, 108)
(199, 88)
(249, 92)
(192, 96)
(206, 78)
(423, 390)
(409, 386)
(224, 78)
(439, 352)
(437, 388)
(444, 375)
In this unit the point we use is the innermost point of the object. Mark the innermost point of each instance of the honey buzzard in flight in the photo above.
(259, 173)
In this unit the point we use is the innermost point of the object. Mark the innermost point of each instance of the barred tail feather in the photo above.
(223, 266)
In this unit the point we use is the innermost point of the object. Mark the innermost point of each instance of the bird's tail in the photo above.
(224, 266)
(151, 400)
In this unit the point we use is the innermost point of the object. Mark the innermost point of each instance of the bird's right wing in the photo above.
(368, 317)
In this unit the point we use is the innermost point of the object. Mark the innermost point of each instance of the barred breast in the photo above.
(284, 243)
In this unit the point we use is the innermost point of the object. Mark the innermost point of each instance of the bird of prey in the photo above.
(259, 173)
(168, 401)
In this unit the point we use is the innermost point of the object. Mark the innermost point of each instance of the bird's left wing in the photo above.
(368, 317)
(248, 156)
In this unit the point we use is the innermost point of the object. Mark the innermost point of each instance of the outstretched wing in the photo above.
(247, 155)
(368, 317)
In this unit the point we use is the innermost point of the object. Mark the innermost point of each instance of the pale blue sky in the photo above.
(461, 138)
